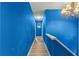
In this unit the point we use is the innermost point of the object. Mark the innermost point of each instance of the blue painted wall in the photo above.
(0, 26)
(17, 28)
(38, 30)
(78, 35)
(63, 28)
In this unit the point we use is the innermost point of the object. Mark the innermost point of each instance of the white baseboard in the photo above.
(46, 48)
(31, 48)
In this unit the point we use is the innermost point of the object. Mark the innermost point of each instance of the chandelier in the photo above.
(71, 9)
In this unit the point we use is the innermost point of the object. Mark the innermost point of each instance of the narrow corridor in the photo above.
(38, 48)
(39, 29)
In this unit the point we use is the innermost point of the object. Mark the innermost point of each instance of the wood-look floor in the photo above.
(38, 48)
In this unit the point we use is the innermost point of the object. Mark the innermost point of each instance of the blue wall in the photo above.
(78, 35)
(63, 28)
(38, 30)
(0, 25)
(17, 28)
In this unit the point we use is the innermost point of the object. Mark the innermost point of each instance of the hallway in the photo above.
(39, 29)
(38, 48)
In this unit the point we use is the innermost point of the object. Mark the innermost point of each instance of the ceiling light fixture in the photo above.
(71, 9)
(38, 17)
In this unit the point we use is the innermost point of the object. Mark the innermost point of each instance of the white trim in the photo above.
(54, 38)
(42, 23)
(34, 38)
(42, 35)
(46, 49)
(30, 48)
(42, 27)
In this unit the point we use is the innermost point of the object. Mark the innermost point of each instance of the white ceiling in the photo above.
(39, 7)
